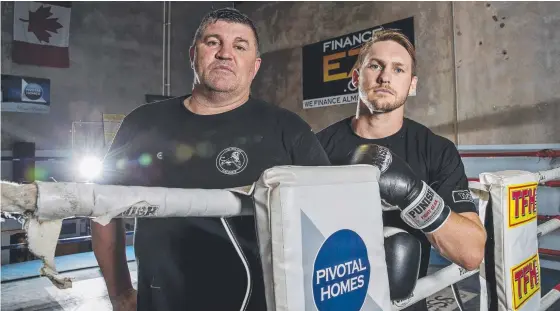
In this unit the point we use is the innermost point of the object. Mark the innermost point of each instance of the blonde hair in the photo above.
(387, 35)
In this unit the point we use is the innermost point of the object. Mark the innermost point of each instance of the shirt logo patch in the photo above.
(231, 161)
(462, 196)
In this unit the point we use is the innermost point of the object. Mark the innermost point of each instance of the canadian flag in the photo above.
(41, 33)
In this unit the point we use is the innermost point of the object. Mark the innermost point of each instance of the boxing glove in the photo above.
(421, 207)
(402, 255)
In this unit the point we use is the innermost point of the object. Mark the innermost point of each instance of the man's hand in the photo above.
(421, 207)
(459, 238)
(125, 301)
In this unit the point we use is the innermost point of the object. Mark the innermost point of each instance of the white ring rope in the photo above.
(549, 226)
(433, 283)
(46, 204)
(63, 200)
(554, 294)
(104, 202)
(550, 298)
(553, 174)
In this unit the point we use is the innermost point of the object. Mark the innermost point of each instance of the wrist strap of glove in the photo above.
(427, 212)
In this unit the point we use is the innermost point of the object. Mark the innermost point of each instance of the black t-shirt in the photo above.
(203, 263)
(433, 158)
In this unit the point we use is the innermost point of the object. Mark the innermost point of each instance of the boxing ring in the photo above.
(452, 274)
(487, 189)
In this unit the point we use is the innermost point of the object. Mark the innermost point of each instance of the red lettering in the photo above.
(525, 202)
(515, 195)
(518, 275)
(525, 278)
(532, 201)
(534, 274)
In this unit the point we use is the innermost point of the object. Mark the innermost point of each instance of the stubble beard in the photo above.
(374, 107)
(211, 83)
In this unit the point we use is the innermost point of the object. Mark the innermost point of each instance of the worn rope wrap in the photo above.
(45, 204)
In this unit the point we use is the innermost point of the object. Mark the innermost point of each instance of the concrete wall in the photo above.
(508, 72)
(116, 58)
(488, 73)
(505, 86)
(503, 91)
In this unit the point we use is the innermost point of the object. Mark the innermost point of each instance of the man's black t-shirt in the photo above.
(203, 263)
(433, 158)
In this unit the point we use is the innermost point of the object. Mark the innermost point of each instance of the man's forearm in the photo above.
(461, 239)
(109, 248)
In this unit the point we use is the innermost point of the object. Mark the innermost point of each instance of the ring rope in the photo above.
(550, 298)
(433, 283)
(551, 225)
(548, 175)
(443, 278)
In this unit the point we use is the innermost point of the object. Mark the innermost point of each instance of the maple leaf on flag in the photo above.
(41, 23)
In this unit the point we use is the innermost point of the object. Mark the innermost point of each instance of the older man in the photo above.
(217, 137)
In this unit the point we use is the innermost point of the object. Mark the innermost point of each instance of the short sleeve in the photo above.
(324, 137)
(449, 180)
(308, 151)
(302, 143)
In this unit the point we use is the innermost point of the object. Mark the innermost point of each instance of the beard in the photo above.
(215, 82)
(379, 104)
(382, 105)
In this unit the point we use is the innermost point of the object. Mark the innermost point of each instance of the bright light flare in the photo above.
(90, 167)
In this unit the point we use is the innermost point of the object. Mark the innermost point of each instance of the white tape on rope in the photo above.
(47, 204)
(549, 226)
(553, 174)
(62, 200)
(434, 283)
(550, 298)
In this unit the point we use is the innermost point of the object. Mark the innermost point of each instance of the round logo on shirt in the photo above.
(231, 161)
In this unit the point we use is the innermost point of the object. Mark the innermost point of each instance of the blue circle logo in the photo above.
(33, 91)
(341, 273)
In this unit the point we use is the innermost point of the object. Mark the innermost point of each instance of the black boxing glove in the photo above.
(402, 255)
(422, 208)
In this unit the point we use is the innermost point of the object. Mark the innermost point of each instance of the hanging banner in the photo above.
(41, 33)
(327, 76)
(25, 94)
